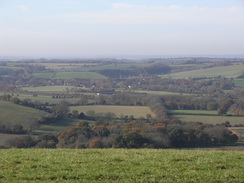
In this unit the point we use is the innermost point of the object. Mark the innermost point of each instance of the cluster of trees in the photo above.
(17, 129)
(197, 103)
(192, 86)
(152, 69)
(132, 135)
(155, 135)
(27, 141)
(160, 104)
(5, 71)
(238, 107)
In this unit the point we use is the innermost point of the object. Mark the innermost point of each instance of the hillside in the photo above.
(13, 114)
(231, 71)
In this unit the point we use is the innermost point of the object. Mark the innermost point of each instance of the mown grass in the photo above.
(12, 114)
(136, 111)
(210, 119)
(227, 71)
(120, 165)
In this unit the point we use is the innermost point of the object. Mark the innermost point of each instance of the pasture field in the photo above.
(12, 114)
(45, 98)
(210, 119)
(64, 65)
(10, 67)
(159, 92)
(107, 66)
(46, 75)
(239, 82)
(240, 131)
(120, 165)
(226, 71)
(69, 75)
(56, 127)
(49, 89)
(203, 112)
(136, 111)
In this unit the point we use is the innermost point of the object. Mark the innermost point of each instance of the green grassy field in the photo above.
(107, 66)
(62, 65)
(69, 75)
(228, 71)
(56, 127)
(12, 114)
(10, 67)
(240, 131)
(158, 92)
(56, 88)
(239, 82)
(45, 98)
(211, 119)
(43, 129)
(120, 165)
(194, 112)
(136, 111)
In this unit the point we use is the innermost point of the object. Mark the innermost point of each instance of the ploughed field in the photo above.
(120, 165)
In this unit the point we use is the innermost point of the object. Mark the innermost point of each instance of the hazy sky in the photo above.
(113, 27)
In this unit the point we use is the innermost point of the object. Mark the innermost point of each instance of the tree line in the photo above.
(167, 134)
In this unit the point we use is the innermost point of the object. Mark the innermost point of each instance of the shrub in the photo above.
(95, 143)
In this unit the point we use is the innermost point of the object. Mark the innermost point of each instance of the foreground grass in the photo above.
(120, 165)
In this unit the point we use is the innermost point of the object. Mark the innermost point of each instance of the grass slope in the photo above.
(12, 114)
(69, 75)
(227, 71)
(136, 111)
(120, 165)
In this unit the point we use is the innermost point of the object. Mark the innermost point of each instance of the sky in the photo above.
(78, 28)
